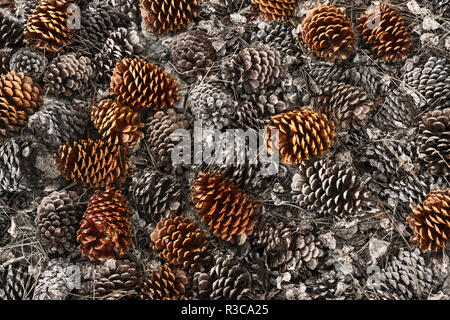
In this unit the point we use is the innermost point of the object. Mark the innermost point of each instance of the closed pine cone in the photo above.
(30, 61)
(94, 163)
(280, 10)
(167, 283)
(105, 230)
(164, 16)
(48, 26)
(301, 134)
(223, 206)
(328, 33)
(142, 85)
(11, 31)
(117, 124)
(385, 32)
(57, 220)
(431, 221)
(434, 140)
(182, 243)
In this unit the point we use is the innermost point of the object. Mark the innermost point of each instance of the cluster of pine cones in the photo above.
(94, 93)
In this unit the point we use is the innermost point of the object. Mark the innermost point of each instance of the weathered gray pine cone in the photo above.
(59, 123)
(156, 195)
(11, 31)
(192, 54)
(227, 7)
(117, 279)
(57, 280)
(122, 43)
(328, 188)
(432, 81)
(128, 7)
(69, 75)
(57, 221)
(23, 8)
(157, 138)
(346, 105)
(5, 223)
(30, 61)
(15, 282)
(227, 280)
(405, 277)
(211, 105)
(254, 69)
(277, 35)
(5, 57)
(434, 140)
(332, 286)
(17, 158)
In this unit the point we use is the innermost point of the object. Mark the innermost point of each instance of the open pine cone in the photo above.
(280, 10)
(11, 119)
(328, 33)
(301, 134)
(94, 163)
(166, 283)
(117, 124)
(223, 206)
(105, 230)
(141, 85)
(430, 221)
(385, 32)
(48, 26)
(164, 16)
(182, 243)
(30, 61)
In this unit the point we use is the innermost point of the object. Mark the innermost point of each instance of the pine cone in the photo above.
(105, 230)
(117, 124)
(211, 105)
(7, 5)
(165, 284)
(431, 221)
(405, 277)
(128, 7)
(225, 207)
(192, 54)
(254, 69)
(48, 26)
(5, 223)
(182, 243)
(245, 176)
(158, 131)
(276, 35)
(57, 220)
(434, 140)
(164, 16)
(156, 195)
(15, 282)
(57, 281)
(17, 159)
(328, 188)
(121, 44)
(432, 81)
(280, 10)
(69, 75)
(227, 7)
(328, 33)
(59, 123)
(30, 61)
(93, 163)
(301, 134)
(227, 280)
(345, 105)
(11, 31)
(11, 119)
(385, 32)
(5, 57)
(117, 280)
(141, 85)
(333, 286)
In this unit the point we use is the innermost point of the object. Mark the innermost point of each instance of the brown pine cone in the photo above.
(117, 124)
(57, 220)
(344, 104)
(165, 284)
(48, 26)
(182, 243)
(92, 163)
(328, 33)
(105, 230)
(164, 16)
(21, 92)
(431, 221)
(385, 32)
(301, 134)
(223, 206)
(142, 85)
(11, 119)
(11, 31)
(280, 10)
(434, 140)
(7, 5)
